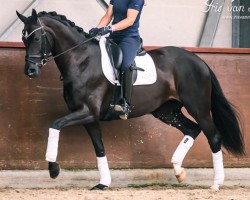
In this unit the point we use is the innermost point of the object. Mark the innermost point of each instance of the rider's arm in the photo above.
(106, 19)
(127, 22)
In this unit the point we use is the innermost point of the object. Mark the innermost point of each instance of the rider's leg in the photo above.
(129, 46)
(127, 88)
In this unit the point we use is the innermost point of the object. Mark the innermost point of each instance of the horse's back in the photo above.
(182, 63)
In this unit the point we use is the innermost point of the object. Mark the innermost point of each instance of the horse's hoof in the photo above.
(181, 177)
(215, 188)
(54, 170)
(99, 187)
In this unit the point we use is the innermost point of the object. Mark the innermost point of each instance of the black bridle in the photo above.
(45, 56)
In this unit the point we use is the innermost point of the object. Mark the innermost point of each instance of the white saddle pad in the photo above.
(145, 62)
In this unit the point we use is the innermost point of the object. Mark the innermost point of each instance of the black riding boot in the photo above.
(123, 107)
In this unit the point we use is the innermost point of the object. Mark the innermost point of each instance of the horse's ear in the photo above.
(34, 14)
(21, 17)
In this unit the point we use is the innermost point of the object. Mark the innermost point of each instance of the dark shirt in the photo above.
(120, 9)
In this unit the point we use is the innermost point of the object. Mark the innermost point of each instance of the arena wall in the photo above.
(29, 106)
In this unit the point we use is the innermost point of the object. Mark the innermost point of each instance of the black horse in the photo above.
(183, 80)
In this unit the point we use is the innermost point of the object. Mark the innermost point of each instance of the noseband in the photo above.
(44, 56)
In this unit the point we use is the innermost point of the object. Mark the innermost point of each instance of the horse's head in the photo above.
(35, 40)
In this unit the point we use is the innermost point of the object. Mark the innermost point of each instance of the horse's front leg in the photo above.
(94, 132)
(75, 118)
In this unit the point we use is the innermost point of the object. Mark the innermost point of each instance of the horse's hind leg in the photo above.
(199, 108)
(214, 139)
(171, 114)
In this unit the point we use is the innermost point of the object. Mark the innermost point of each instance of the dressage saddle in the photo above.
(116, 57)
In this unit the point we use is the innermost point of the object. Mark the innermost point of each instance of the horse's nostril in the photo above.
(31, 71)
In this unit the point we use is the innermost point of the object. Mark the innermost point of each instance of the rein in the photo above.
(43, 56)
(74, 47)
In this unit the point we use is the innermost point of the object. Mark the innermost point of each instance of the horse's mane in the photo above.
(63, 19)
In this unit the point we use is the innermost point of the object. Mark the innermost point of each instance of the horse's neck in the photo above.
(75, 63)
(63, 38)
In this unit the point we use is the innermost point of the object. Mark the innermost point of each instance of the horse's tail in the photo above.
(226, 119)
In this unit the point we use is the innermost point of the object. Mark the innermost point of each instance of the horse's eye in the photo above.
(36, 39)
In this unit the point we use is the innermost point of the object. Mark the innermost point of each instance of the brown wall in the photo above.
(28, 107)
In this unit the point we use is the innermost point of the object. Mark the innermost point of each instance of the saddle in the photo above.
(143, 70)
(116, 57)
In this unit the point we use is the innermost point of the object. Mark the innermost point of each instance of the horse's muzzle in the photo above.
(32, 71)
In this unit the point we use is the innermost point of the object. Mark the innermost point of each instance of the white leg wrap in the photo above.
(180, 153)
(218, 168)
(103, 167)
(52, 147)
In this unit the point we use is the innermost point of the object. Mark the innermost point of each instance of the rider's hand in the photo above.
(105, 30)
(93, 32)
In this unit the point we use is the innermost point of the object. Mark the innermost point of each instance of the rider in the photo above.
(124, 31)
